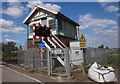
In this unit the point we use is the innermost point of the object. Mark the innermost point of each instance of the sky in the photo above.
(98, 20)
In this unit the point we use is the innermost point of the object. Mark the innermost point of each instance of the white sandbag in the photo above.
(101, 74)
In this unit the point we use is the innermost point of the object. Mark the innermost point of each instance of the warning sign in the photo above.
(82, 39)
(42, 50)
(82, 42)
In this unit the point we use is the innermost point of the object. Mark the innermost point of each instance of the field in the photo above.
(112, 58)
(115, 52)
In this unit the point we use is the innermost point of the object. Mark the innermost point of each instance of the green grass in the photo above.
(112, 60)
(115, 52)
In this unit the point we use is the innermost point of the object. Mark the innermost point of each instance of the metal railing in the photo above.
(59, 41)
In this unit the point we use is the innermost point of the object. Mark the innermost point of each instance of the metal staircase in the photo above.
(59, 43)
(55, 43)
(48, 43)
(60, 60)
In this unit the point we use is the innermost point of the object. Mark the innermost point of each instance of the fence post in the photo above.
(67, 57)
(84, 57)
(25, 57)
(35, 59)
(41, 60)
(48, 61)
(28, 60)
(51, 61)
(18, 58)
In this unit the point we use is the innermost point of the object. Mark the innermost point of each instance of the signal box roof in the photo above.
(37, 7)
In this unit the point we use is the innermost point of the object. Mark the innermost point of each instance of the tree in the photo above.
(20, 47)
(107, 47)
(9, 50)
(102, 46)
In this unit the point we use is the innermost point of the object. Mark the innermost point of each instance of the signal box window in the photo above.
(60, 24)
(31, 28)
(52, 23)
(44, 21)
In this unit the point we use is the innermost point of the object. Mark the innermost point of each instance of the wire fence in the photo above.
(63, 62)
(33, 59)
(98, 55)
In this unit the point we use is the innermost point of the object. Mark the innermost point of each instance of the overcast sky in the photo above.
(99, 21)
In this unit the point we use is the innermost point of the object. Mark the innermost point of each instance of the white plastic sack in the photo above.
(100, 74)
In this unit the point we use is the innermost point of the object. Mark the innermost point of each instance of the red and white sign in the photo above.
(41, 37)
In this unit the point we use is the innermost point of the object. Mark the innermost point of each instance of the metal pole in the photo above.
(83, 65)
(48, 61)
(51, 61)
(28, 62)
(25, 56)
(41, 60)
(18, 57)
(68, 73)
(35, 60)
(33, 41)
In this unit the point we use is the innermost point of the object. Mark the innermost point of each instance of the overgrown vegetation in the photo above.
(115, 52)
(9, 50)
(112, 60)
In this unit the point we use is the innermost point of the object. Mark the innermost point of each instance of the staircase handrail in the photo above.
(60, 41)
(57, 43)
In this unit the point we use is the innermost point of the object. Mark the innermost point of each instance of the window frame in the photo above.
(30, 29)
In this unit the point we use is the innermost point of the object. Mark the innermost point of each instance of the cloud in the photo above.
(1, 10)
(6, 36)
(16, 30)
(11, 40)
(53, 7)
(106, 27)
(103, 4)
(89, 21)
(95, 41)
(111, 8)
(107, 0)
(14, 9)
(110, 32)
(11, 0)
(118, 15)
(8, 26)
(114, 27)
(6, 23)
(31, 4)
(14, 12)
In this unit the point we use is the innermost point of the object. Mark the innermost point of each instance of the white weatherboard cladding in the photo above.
(68, 29)
(40, 15)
